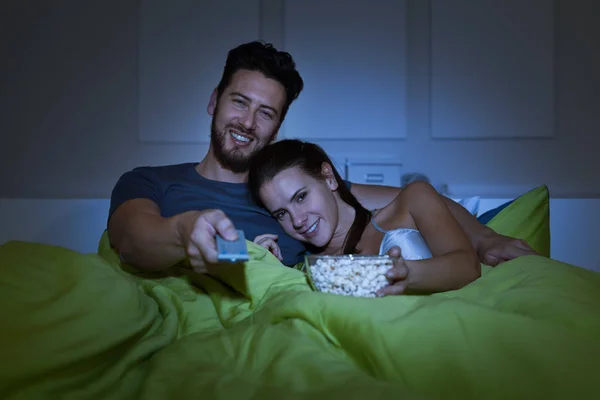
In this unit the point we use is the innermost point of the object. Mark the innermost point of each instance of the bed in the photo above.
(84, 326)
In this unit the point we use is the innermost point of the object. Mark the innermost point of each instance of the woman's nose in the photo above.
(298, 219)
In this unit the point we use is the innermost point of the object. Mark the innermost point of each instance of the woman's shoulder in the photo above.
(412, 195)
(397, 214)
(409, 193)
(394, 215)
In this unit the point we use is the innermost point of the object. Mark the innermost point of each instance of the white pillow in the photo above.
(470, 203)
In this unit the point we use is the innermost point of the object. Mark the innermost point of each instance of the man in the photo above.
(160, 216)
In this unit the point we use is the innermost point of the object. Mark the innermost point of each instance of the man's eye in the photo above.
(267, 115)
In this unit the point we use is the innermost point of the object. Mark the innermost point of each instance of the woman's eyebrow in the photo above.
(296, 193)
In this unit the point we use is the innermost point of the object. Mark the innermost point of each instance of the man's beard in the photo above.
(233, 160)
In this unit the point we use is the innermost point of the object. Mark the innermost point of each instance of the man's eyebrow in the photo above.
(250, 100)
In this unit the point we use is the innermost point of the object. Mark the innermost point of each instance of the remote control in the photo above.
(232, 251)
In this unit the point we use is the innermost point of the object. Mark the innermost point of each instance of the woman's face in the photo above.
(305, 207)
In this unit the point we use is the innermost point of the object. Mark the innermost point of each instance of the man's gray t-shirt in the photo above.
(180, 188)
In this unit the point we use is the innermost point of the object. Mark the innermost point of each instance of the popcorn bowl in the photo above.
(348, 275)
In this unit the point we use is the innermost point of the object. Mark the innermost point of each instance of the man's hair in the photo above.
(266, 59)
(309, 157)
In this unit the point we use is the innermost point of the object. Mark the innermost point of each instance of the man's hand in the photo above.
(397, 275)
(197, 233)
(494, 249)
(268, 241)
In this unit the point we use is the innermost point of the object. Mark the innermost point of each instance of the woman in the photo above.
(297, 183)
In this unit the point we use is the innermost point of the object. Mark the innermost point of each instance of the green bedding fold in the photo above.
(75, 326)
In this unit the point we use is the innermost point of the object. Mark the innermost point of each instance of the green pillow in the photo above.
(527, 218)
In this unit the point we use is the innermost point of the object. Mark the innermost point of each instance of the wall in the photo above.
(70, 123)
(72, 89)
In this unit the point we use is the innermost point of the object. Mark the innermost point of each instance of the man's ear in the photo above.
(327, 172)
(212, 103)
(275, 134)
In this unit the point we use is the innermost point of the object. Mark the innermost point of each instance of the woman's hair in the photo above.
(309, 157)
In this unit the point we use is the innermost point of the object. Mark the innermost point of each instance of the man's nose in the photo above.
(248, 120)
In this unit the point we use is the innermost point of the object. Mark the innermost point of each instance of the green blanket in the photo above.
(76, 326)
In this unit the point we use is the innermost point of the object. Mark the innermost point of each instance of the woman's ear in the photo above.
(329, 176)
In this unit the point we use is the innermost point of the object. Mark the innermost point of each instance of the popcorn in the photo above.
(357, 276)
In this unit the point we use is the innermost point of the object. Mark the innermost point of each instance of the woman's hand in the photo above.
(397, 275)
(268, 241)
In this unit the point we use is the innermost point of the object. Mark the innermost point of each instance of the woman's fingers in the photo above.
(265, 236)
(268, 241)
(393, 290)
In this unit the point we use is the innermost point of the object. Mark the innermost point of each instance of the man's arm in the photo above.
(492, 248)
(143, 238)
(147, 240)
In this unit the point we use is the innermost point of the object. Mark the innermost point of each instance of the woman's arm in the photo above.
(454, 263)
(492, 248)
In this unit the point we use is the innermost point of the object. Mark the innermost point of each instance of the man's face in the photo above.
(246, 118)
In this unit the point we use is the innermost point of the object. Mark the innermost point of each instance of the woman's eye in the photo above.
(279, 215)
(301, 197)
